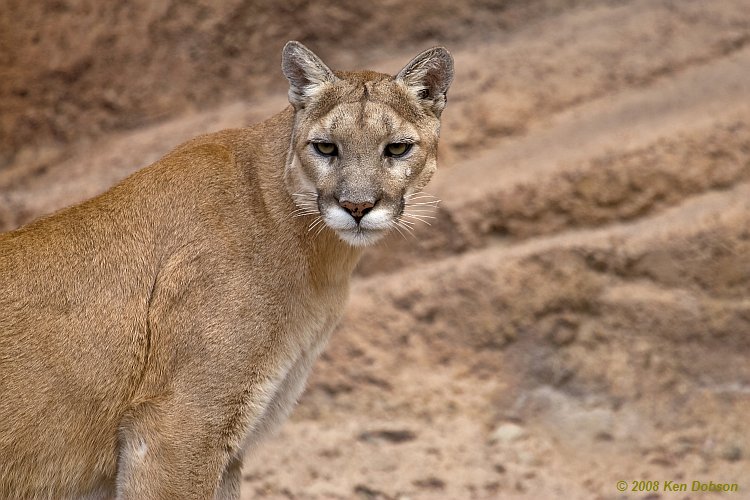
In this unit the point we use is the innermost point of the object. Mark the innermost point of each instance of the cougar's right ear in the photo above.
(305, 71)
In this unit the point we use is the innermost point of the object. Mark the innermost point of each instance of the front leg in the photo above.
(168, 451)
(187, 447)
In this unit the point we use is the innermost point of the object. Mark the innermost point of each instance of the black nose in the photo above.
(357, 210)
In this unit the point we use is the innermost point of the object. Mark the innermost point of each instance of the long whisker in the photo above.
(406, 228)
(428, 203)
(318, 220)
(397, 228)
(320, 230)
(306, 204)
(419, 216)
(409, 210)
(426, 222)
(302, 209)
(420, 195)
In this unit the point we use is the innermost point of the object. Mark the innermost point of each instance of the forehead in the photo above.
(354, 91)
(374, 119)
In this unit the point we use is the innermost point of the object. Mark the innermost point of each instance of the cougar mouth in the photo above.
(356, 225)
(365, 224)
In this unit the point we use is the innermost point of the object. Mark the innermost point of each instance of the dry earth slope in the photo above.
(579, 311)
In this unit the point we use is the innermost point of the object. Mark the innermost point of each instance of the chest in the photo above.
(288, 386)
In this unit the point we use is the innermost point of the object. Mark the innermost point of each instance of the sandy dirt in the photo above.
(577, 314)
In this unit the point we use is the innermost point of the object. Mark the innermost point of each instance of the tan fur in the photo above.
(151, 335)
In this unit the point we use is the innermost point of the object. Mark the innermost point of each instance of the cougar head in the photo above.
(363, 143)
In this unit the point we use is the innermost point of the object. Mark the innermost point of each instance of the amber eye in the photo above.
(326, 148)
(397, 149)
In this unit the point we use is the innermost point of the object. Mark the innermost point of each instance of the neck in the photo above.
(332, 261)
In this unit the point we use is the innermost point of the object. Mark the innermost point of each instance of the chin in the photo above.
(361, 237)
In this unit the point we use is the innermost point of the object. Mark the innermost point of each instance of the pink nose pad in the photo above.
(357, 210)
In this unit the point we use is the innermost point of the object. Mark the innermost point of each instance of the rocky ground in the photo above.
(579, 311)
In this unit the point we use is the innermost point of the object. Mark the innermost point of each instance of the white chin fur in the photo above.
(361, 237)
(339, 220)
(372, 227)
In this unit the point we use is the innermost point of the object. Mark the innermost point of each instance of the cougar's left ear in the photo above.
(305, 71)
(428, 77)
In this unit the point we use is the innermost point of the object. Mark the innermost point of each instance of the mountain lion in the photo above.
(153, 334)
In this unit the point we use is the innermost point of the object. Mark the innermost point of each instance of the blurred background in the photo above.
(578, 313)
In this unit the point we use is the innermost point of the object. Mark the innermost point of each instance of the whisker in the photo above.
(433, 203)
(302, 209)
(406, 228)
(314, 223)
(320, 230)
(420, 195)
(424, 221)
(421, 220)
(397, 228)
(420, 211)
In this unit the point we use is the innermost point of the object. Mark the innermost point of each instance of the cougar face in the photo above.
(363, 142)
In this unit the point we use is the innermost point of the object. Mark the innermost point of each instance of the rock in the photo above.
(507, 433)
(732, 453)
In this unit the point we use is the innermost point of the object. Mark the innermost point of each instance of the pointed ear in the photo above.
(428, 77)
(305, 71)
